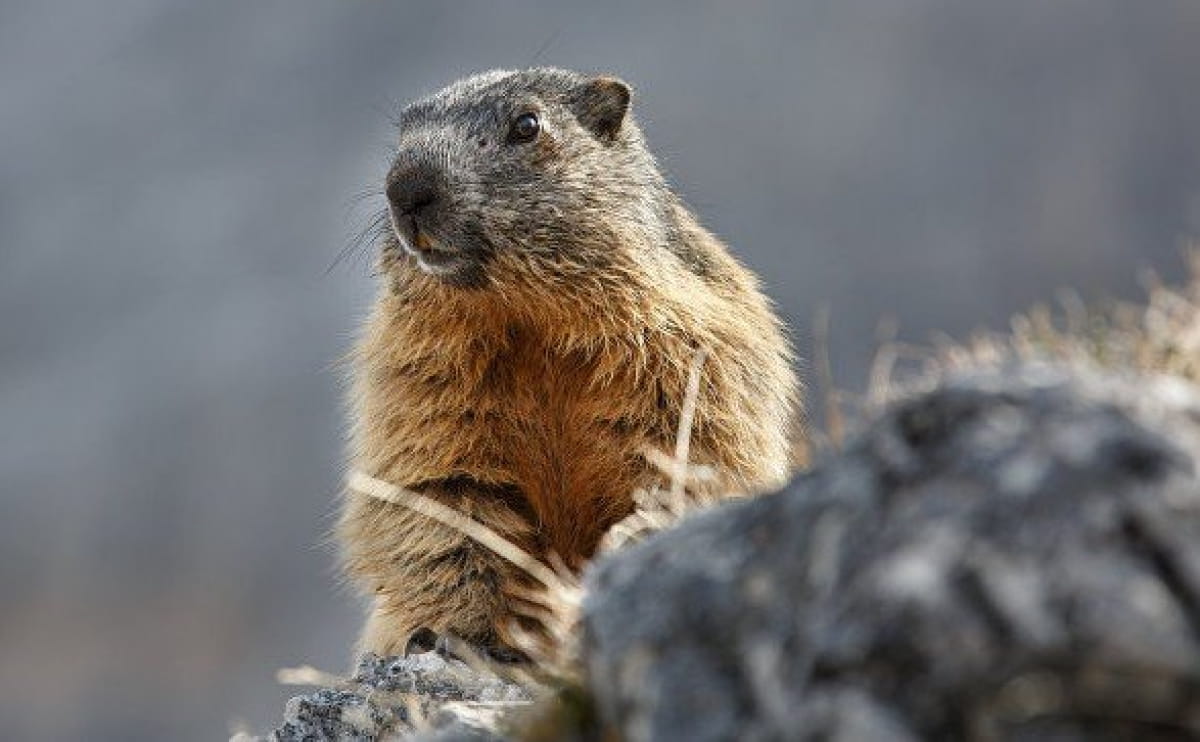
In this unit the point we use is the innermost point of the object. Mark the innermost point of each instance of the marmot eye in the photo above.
(524, 128)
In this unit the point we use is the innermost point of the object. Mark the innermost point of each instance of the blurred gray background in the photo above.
(177, 178)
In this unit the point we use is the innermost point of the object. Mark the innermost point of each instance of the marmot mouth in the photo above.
(424, 243)
(432, 256)
(417, 242)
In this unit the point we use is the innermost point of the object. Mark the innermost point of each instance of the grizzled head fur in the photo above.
(539, 172)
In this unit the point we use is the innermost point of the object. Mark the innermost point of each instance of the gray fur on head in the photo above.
(573, 196)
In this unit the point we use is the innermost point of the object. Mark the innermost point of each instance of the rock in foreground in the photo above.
(1008, 557)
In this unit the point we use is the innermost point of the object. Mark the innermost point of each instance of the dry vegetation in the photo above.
(1160, 335)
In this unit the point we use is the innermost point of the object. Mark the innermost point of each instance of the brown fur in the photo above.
(527, 404)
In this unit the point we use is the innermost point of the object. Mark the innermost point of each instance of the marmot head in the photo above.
(507, 175)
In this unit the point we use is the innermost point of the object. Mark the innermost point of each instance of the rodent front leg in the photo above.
(427, 577)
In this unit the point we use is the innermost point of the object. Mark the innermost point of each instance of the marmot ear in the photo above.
(600, 104)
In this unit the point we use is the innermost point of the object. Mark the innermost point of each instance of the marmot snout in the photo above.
(545, 293)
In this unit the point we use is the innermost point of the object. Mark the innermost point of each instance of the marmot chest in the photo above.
(566, 430)
(570, 429)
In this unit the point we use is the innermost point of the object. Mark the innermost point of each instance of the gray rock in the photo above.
(1012, 556)
(449, 700)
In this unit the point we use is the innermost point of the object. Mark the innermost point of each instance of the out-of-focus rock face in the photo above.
(1012, 556)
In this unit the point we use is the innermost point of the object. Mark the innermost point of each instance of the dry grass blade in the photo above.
(447, 516)
(307, 675)
(687, 418)
(834, 423)
(691, 485)
(554, 606)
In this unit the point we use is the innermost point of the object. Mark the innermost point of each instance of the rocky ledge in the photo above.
(396, 697)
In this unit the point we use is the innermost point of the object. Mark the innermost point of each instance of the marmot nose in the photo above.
(412, 189)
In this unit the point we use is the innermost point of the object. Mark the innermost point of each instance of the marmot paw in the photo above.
(451, 647)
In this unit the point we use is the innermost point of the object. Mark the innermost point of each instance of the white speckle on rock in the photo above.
(1149, 598)
(919, 573)
(1023, 474)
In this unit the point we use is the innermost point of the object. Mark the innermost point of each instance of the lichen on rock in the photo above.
(395, 697)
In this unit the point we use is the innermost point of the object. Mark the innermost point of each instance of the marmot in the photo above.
(545, 293)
